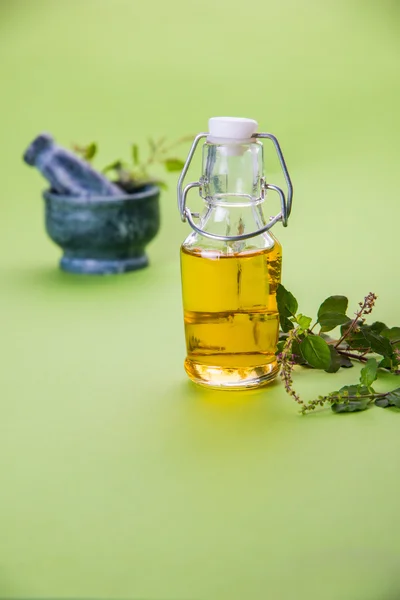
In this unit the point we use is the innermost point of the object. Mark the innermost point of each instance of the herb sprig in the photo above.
(376, 346)
(136, 172)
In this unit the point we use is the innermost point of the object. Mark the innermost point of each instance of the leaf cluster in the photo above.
(376, 346)
(136, 173)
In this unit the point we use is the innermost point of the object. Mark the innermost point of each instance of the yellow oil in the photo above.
(231, 318)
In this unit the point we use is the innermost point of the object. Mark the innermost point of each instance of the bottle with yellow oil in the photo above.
(231, 263)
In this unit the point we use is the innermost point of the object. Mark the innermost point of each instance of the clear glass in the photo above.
(229, 287)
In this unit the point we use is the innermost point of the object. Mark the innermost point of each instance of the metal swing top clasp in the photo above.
(227, 130)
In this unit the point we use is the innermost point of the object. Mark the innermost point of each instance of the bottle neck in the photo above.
(232, 172)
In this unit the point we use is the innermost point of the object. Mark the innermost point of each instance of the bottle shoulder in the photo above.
(197, 245)
(261, 242)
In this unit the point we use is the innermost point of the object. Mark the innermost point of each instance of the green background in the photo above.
(118, 477)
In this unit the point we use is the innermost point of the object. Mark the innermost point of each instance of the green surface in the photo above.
(118, 478)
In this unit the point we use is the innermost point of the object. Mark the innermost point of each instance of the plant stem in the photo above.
(333, 398)
(359, 357)
(365, 309)
(372, 396)
(286, 366)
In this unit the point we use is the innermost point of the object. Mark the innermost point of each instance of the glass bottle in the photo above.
(231, 262)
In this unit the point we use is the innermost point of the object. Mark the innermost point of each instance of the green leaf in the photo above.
(135, 154)
(393, 398)
(90, 151)
(174, 164)
(304, 321)
(114, 166)
(330, 320)
(279, 346)
(386, 363)
(316, 352)
(287, 303)
(379, 344)
(287, 307)
(378, 327)
(297, 356)
(357, 341)
(332, 312)
(346, 326)
(87, 152)
(354, 390)
(393, 335)
(353, 404)
(382, 402)
(369, 373)
(336, 361)
(286, 324)
(333, 304)
(366, 338)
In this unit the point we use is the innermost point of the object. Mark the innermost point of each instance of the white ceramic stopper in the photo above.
(231, 130)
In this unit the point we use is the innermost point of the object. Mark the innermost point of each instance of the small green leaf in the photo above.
(287, 307)
(336, 360)
(304, 321)
(369, 373)
(394, 398)
(135, 154)
(174, 164)
(333, 304)
(316, 352)
(330, 320)
(114, 166)
(90, 151)
(87, 152)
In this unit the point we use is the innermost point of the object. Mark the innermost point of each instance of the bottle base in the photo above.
(231, 378)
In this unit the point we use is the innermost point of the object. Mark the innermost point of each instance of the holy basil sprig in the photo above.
(136, 172)
(300, 344)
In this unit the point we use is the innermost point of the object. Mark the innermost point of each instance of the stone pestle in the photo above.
(67, 174)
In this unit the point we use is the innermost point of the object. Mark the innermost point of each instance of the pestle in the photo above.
(67, 174)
